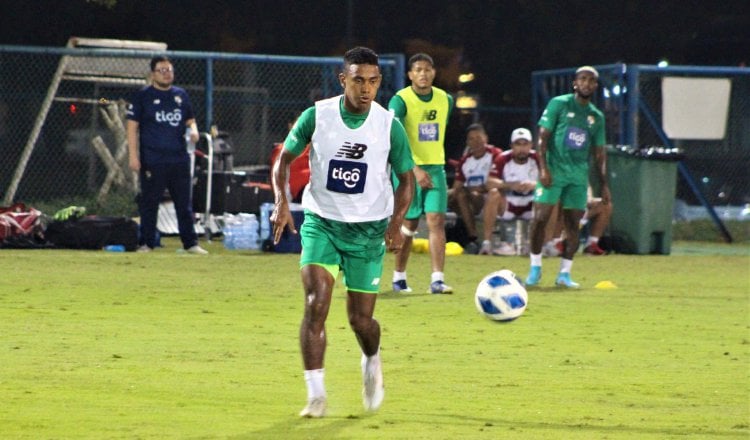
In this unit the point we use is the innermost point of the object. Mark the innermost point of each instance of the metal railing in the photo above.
(52, 102)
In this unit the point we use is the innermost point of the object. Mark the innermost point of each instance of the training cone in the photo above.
(453, 248)
(605, 285)
(420, 245)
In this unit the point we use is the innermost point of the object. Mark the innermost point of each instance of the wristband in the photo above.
(407, 232)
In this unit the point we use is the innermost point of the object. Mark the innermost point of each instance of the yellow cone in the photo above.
(453, 248)
(606, 285)
(420, 245)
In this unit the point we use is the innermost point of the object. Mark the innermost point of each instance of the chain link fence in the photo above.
(56, 102)
(720, 166)
(632, 100)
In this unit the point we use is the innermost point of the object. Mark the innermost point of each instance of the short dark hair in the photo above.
(421, 56)
(475, 127)
(159, 59)
(361, 55)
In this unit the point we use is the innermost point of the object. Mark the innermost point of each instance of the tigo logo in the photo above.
(346, 177)
(173, 118)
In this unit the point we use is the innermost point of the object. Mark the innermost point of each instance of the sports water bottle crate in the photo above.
(289, 243)
(240, 231)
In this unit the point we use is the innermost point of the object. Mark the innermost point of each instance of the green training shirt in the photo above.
(574, 129)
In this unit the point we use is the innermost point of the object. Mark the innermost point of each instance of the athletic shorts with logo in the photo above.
(356, 248)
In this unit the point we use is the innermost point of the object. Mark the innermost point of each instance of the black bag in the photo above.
(93, 232)
(457, 232)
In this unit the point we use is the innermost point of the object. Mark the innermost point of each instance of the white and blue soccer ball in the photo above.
(500, 296)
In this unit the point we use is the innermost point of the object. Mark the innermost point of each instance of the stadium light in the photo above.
(466, 102)
(465, 78)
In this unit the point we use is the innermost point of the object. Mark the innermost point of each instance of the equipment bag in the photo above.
(94, 232)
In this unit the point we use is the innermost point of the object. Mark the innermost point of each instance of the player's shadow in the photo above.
(554, 289)
(389, 294)
(328, 427)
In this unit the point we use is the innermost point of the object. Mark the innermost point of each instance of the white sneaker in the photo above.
(486, 248)
(439, 287)
(372, 378)
(196, 250)
(143, 249)
(506, 249)
(401, 286)
(315, 408)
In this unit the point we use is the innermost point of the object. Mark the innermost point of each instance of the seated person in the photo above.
(518, 169)
(597, 214)
(475, 187)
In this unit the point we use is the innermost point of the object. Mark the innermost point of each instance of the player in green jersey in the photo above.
(351, 216)
(570, 129)
(424, 110)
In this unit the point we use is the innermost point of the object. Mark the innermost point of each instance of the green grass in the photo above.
(706, 230)
(166, 345)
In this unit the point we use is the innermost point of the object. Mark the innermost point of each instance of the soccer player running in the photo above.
(569, 129)
(424, 110)
(351, 217)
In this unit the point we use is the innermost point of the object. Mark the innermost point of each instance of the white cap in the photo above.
(520, 133)
(589, 69)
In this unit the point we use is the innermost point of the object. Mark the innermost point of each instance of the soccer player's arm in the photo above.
(600, 159)
(294, 144)
(397, 106)
(546, 128)
(402, 164)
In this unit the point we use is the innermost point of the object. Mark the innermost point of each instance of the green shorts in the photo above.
(356, 248)
(570, 195)
(433, 199)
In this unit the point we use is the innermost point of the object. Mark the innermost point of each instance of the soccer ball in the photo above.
(500, 296)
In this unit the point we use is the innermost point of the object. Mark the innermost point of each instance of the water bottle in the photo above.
(229, 230)
(188, 143)
(243, 236)
(238, 231)
(265, 220)
(254, 238)
(249, 232)
(229, 237)
(114, 248)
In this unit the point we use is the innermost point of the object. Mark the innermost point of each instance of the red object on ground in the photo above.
(299, 170)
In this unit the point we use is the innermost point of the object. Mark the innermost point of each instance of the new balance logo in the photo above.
(352, 151)
(429, 115)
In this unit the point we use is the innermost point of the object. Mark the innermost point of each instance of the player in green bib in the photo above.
(424, 110)
(570, 129)
(351, 215)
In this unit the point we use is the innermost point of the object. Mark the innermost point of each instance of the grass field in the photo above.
(165, 345)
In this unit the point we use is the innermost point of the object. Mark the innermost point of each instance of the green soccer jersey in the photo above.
(574, 129)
